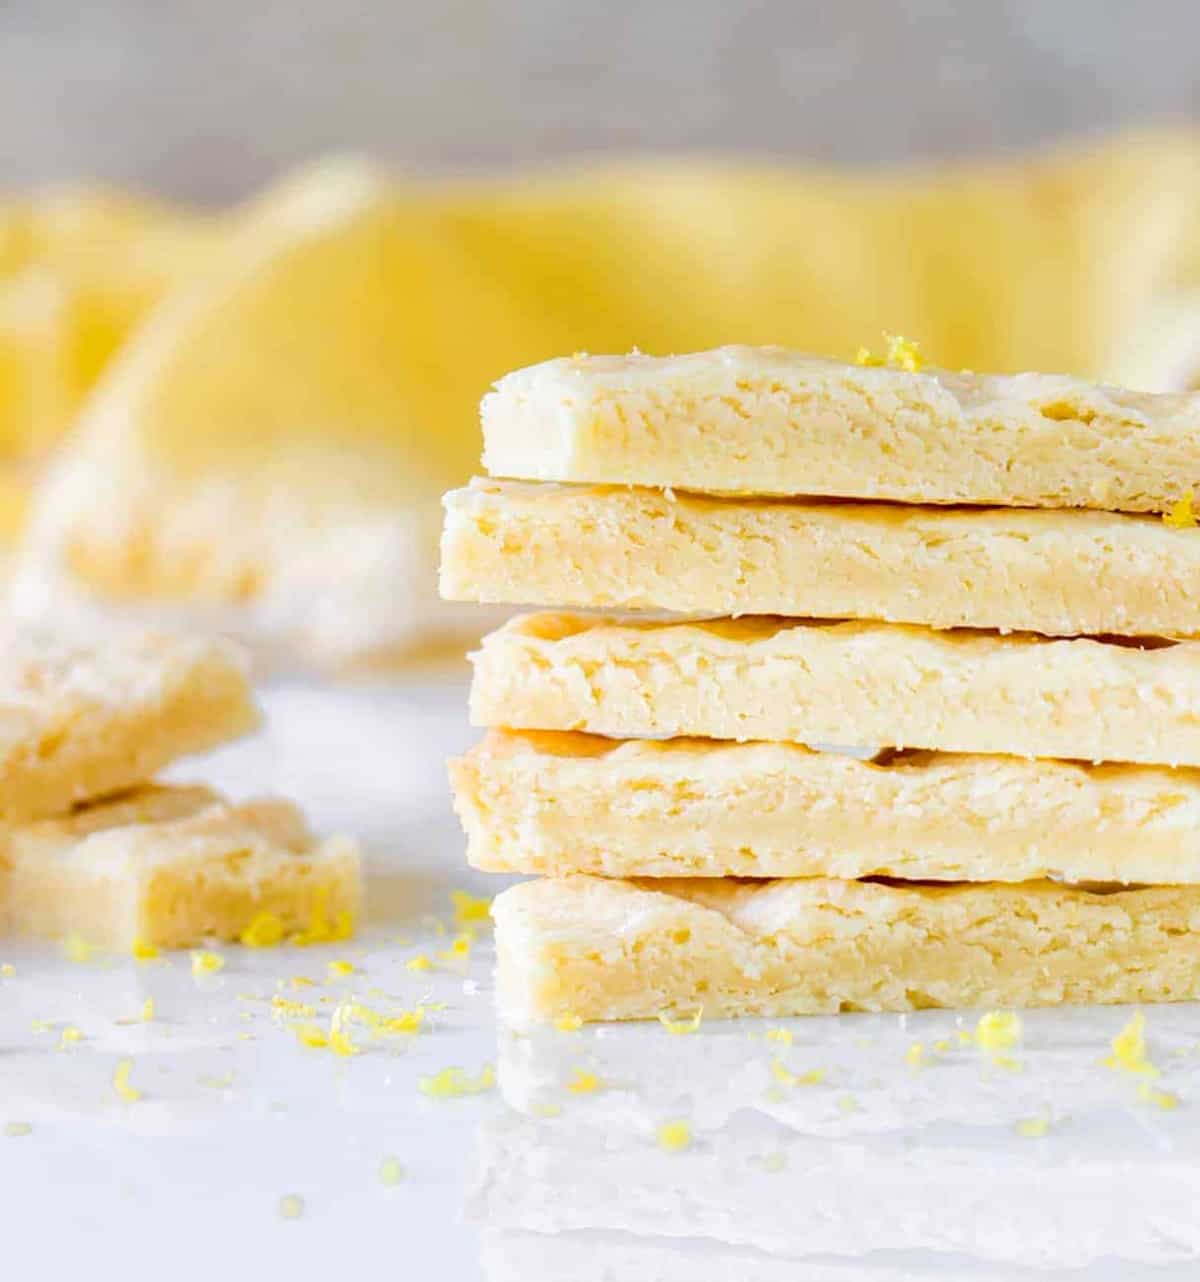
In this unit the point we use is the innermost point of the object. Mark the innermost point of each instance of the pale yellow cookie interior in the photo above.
(843, 683)
(557, 803)
(764, 420)
(601, 949)
(170, 867)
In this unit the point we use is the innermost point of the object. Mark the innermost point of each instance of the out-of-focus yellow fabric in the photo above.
(335, 335)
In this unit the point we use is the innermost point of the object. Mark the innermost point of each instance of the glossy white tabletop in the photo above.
(881, 1170)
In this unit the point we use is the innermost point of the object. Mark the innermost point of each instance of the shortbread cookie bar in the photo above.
(171, 867)
(843, 683)
(770, 421)
(82, 719)
(1064, 573)
(556, 803)
(602, 949)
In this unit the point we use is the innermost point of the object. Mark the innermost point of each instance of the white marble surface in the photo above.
(877, 1173)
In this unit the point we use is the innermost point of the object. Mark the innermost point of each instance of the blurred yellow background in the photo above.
(244, 411)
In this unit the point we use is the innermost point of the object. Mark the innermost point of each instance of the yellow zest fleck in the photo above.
(339, 969)
(675, 1136)
(390, 1172)
(460, 948)
(1007, 1063)
(914, 1057)
(847, 1104)
(311, 1035)
(469, 909)
(998, 1030)
(288, 1008)
(451, 1083)
(291, 1207)
(679, 1026)
(148, 1009)
(265, 931)
(340, 1043)
(1180, 516)
(121, 1085)
(781, 1035)
(14, 1129)
(942, 1045)
(583, 1082)
(144, 950)
(76, 948)
(7, 970)
(40, 1026)
(568, 1023)
(1160, 1099)
(547, 1110)
(1032, 1128)
(1129, 1049)
(206, 963)
(408, 1021)
(302, 981)
(785, 1077)
(965, 1038)
(902, 353)
(320, 929)
(419, 962)
(69, 1036)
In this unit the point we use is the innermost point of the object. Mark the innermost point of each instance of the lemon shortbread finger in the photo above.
(763, 420)
(603, 949)
(843, 683)
(80, 719)
(556, 803)
(1065, 573)
(171, 867)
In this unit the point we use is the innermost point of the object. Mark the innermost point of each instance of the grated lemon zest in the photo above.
(148, 1010)
(1032, 1128)
(460, 948)
(942, 1045)
(901, 353)
(419, 962)
(568, 1023)
(781, 1035)
(144, 950)
(451, 1083)
(120, 1082)
(408, 1021)
(1160, 1099)
(469, 908)
(288, 1008)
(14, 1129)
(264, 931)
(206, 963)
(311, 1035)
(69, 1036)
(76, 948)
(679, 1026)
(583, 1082)
(291, 1206)
(338, 969)
(1129, 1049)
(675, 1136)
(390, 1172)
(785, 1077)
(847, 1104)
(7, 970)
(340, 1043)
(998, 1030)
(1180, 516)
(1008, 1063)
(914, 1057)
(320, 929)
(302, 981)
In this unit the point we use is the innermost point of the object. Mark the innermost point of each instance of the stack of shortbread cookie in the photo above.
(1021, 824)
(90, 849)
